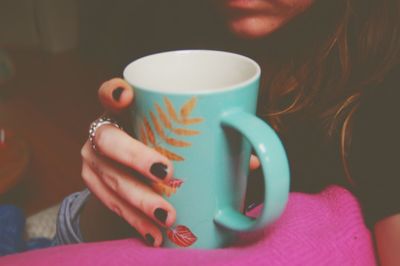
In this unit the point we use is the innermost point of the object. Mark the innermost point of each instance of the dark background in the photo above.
(58, 53)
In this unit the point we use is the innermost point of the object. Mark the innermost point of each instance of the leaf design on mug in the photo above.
(167, 123)
(185, 111)
(163, 189)
(167, 189)
(191, 121)
(163, 124)
(163, 117)
(149, 131)
(142, 135)
(175, 182)
(185, 132)
(181, 236)
(171, 110)
(160, 132)
(188, 107)
(169, 154)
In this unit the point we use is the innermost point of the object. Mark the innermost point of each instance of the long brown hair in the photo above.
(342, 47)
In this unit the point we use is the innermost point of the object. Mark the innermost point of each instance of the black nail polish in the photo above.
(161, 215)
(116, 94)
(149, 239)
(159, 170)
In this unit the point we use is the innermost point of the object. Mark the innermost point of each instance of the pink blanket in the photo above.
(321, 229)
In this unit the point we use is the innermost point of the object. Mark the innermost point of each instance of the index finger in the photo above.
(118, 146)
(115, 95)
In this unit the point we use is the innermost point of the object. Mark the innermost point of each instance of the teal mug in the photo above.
(197, 107)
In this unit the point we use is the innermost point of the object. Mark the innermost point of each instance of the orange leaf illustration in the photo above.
(171, 109)
(181, 236)
(164, 189)
(163, 126)
(157, 126)
(160, 131)
(176, 142)
(191, 121)
(142, 135)
(163, 117)
(149, 131)
(187, 108)
(170, 155)
(185, 132)
(167, 189)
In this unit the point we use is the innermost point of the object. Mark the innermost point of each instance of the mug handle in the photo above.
(275, 167)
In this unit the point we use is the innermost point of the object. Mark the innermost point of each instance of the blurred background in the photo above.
(54, 54)
(47, 100)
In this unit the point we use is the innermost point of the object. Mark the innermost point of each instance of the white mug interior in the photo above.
(192, 71)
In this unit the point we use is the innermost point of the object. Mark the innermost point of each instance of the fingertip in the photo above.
(171, 218)
(153, 238)
(115, 94)
(126, 97)
(158, 241)
(149, 239)
(164, 215)
(162, 170)
(254, 162)
(170, 166)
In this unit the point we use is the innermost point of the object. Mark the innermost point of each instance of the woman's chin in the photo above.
(254, 27)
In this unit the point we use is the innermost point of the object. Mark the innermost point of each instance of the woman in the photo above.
(331, 68)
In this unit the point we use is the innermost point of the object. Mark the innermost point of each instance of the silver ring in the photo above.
(101, 121)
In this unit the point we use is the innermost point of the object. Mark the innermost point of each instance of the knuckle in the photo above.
(116, 209)
(140, 224)
(85, 175)
(133, 220)
(112, 181)
(133, 160)
(141, 204)
(85, 152)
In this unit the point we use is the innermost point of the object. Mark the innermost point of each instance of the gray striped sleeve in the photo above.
(68, 229)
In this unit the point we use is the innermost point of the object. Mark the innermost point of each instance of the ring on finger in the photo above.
(96, 124)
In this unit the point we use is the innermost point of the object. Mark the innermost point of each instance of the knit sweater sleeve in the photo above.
(68, 229)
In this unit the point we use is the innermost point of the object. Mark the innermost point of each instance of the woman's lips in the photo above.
(251, 5)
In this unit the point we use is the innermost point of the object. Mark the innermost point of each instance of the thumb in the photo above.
(115, 95)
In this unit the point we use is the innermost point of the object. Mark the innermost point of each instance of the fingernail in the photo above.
(149, 239)
(161, 215)
(159, 170)
(116, 94)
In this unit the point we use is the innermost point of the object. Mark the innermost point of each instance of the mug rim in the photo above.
(239, 85)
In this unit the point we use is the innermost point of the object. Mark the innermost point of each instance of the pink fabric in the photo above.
(321, 229)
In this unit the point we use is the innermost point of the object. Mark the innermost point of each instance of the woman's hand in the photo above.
(112, 171)
(117, 173)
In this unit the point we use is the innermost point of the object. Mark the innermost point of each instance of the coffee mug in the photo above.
(197, 107)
